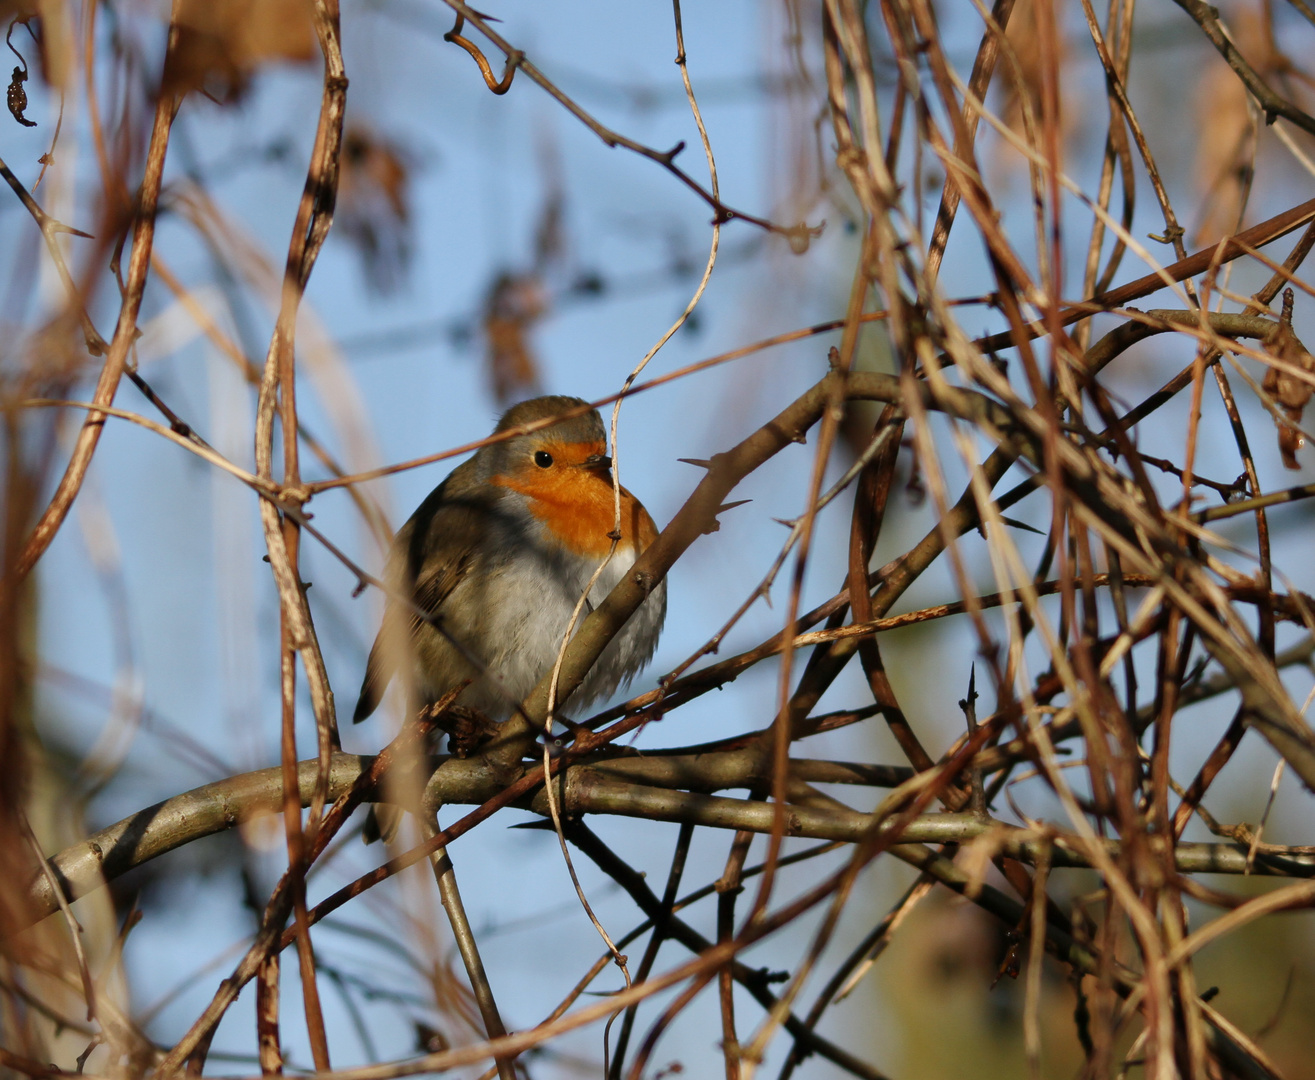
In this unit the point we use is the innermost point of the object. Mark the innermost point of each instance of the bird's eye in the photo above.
(543, 459)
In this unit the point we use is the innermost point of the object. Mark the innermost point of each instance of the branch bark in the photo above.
(588, 789)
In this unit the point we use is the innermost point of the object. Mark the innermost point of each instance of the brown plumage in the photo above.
(498, 555)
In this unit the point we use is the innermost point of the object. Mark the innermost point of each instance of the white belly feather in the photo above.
(522, 618)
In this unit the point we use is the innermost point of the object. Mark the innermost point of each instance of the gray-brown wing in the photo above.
(431, 555)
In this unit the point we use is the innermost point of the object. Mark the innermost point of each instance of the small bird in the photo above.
(499, 555)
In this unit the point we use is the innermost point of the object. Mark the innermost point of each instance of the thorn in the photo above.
(702, 463)
(787, 522)
(715, 525)
(60, 227)
(1013, 522)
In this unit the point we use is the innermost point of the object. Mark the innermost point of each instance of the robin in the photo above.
(498, 556)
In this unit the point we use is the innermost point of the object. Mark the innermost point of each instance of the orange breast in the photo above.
(577, 506)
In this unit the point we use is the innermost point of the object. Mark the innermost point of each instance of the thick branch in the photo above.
(178, 821)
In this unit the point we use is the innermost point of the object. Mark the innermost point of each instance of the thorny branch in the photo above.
(1149, 591)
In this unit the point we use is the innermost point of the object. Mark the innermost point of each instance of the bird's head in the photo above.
(563, 472)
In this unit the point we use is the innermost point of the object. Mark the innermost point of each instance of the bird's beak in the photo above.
(598, 461)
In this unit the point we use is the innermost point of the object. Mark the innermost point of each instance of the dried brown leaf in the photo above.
(1025, 40)
(515, 303)
(222, 42)
(374, 210)
(1026, 43)
(1284, 382)
(1021, 81)
(1223, 151)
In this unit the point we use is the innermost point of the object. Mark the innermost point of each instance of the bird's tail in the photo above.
(378, 672)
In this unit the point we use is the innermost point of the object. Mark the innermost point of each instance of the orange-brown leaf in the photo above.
(515, 303)
(374, 209)
(222, 42)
